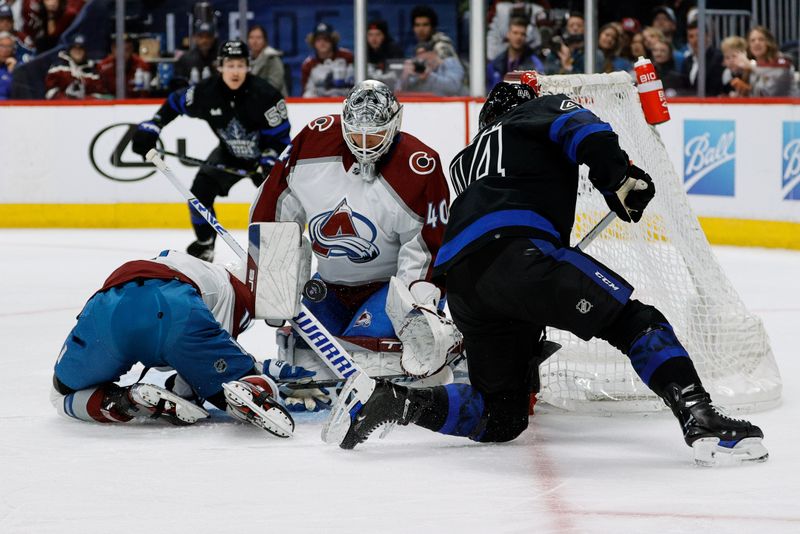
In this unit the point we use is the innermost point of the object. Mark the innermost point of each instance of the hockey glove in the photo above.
(145, 137)
(633, 196)
(297, 400)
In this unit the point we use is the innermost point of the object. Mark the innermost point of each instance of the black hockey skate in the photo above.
(147, 400)
(388, 404)
(716, 438)
(202, 249)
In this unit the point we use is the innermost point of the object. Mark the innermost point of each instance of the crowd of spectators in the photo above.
(521, 35)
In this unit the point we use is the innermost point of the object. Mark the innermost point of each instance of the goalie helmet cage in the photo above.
(667, 258)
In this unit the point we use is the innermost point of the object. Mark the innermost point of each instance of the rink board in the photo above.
(72, 166)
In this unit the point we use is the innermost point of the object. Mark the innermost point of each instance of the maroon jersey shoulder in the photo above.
(413, 171)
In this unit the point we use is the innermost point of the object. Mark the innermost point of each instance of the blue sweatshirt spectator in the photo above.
(518, 55)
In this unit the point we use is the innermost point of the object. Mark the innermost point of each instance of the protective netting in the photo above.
(668, 260)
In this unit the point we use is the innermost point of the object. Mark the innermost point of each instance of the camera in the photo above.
(420, 66)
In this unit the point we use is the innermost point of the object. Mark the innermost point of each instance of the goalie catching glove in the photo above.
(427, 335)
(633, 196)
(297, 400)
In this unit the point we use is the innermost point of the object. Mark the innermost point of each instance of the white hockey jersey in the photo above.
(228, 299)
(360, 231)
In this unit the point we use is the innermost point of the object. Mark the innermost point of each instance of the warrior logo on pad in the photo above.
(342, 232)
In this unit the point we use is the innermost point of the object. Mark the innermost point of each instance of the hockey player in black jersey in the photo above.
(248, 116)
(510, 272)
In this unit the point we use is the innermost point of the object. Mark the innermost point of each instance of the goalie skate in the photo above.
(164, 404)
(255, 405)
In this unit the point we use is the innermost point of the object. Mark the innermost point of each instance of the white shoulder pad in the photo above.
(278, 265)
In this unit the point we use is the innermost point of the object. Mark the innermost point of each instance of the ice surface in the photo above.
(566, 473)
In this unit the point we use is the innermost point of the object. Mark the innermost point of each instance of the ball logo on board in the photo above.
(709, 157)
(790, 156)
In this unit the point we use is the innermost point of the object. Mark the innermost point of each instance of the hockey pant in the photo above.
(501, 298)
(160, 323)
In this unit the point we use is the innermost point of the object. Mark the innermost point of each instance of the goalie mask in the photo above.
(370, 121)
(504, 97)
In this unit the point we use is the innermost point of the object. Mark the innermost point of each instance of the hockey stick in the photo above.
(306, 324)
(596, 231)
(219, 166)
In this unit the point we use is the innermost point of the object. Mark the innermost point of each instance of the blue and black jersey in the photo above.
(519, 175)
(248, 121)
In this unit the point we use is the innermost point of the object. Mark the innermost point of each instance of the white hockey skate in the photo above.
(159, 403)
(253, 399)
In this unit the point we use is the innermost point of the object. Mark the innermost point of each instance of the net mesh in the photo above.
(668, 260)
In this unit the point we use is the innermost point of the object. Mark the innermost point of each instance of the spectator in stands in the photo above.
(16, 10)
(518, 56)
(24, 45)
(424, 22)
(265, 61)
(429, 73)
(689, 68)
(7, 64)
(567, 51)
(637, 48)
(664, 20)
(772, 74)
(107, 69)
(46, 21)
(72, 76)
(736, 76)
(609, 43)
(380, 49)
(631, 28)
(328, 71)
(501, 18)
(653, 35)
(664, 63)
(200, 61)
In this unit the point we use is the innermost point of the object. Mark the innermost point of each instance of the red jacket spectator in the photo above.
(72, 76)
(107, 69)
(46, 20)
(328, 71)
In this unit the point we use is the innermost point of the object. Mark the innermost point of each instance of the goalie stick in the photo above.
(305, 323)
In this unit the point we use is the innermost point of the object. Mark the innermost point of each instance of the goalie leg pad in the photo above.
(278, 266)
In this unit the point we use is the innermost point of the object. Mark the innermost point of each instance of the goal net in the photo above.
(668, 260)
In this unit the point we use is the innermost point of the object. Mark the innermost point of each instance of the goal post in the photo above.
(668, 260)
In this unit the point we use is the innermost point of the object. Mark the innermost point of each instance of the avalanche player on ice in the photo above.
(376, 201)
(172, 311)
(248, 116)
(510, 272)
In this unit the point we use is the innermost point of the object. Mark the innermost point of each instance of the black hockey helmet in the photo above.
(233, 50)
(503, 98)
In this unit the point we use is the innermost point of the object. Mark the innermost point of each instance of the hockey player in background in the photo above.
(172, 311)
(510, 272)
(248, 116)
(376, 201)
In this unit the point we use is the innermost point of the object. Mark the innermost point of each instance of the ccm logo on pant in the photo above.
(606, 281)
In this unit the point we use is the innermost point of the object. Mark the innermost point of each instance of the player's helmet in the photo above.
(233, 50)
(371, 109)
(503, 98)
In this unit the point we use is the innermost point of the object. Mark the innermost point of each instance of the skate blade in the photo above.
(276, 420)
(709, 453)
(355, 392)
(185, 410)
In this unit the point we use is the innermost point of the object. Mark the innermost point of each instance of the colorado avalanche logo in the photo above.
(339, 233)
(421, 163)
(364, 320)
(321, 124)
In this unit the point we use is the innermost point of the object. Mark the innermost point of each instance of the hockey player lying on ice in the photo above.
(172, 311)
(510, 272)
(375, 201)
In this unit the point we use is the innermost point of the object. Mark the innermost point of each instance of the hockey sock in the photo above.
(679, 371)
(653, 348)
(91, 404)
(456, 410)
